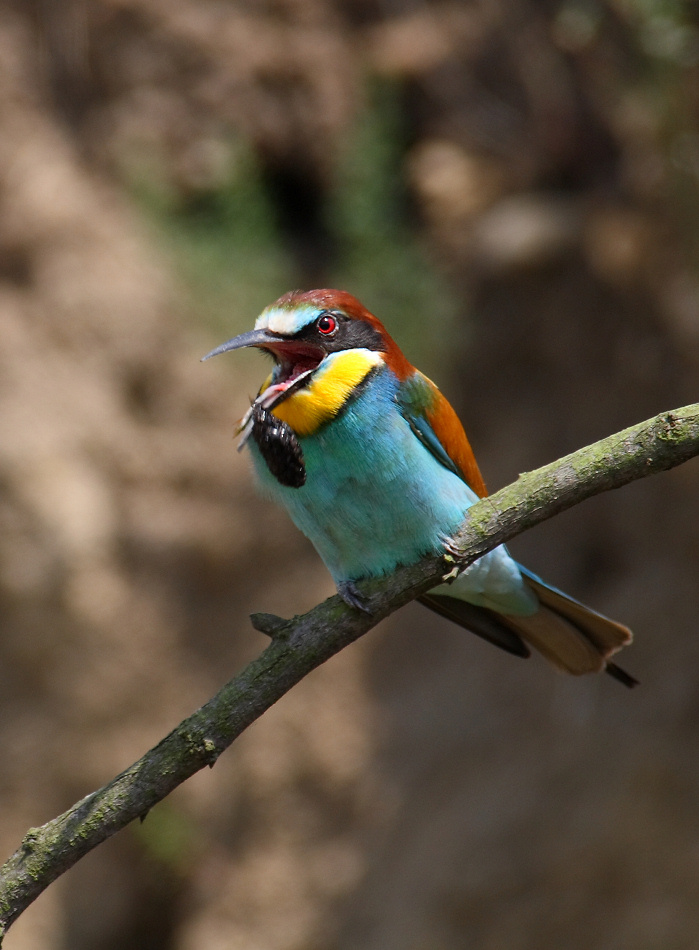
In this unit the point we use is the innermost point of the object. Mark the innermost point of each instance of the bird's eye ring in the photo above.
(327, 324)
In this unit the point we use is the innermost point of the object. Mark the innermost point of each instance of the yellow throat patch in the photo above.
(316, 404)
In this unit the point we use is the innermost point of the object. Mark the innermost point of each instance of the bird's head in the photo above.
(324, 344)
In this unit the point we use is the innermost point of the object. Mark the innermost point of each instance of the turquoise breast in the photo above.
(374, 496)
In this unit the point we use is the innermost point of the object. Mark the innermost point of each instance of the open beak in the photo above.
(264, 338)
(296, 362)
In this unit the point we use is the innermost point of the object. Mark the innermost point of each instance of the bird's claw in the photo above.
(352, 597)
(451, 548)
(451, 554)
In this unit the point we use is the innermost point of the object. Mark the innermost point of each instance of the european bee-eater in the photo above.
(373, 465)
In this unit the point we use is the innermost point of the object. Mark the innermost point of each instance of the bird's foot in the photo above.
(451, 548)
(451, 554)
(352, 597)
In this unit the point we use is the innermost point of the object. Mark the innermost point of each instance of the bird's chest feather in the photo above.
(374, 496)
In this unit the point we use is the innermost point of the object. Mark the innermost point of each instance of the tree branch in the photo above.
(303, 643)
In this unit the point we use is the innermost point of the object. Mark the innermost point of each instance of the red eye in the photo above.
(327, 324)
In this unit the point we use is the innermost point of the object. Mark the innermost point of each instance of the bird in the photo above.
(373, 465)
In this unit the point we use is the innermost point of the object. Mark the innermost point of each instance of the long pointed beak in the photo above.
(253, 338)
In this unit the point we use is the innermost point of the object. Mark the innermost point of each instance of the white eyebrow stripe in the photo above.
(285, 321)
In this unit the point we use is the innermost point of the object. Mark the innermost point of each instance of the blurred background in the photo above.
(513, 187)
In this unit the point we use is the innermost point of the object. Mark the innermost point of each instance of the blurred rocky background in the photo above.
(513, 186)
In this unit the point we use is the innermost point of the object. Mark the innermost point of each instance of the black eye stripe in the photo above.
(349, 334)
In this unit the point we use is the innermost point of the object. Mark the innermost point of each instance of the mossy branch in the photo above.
(303, 643)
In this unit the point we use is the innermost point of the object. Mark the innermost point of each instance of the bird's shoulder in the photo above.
(436, 424)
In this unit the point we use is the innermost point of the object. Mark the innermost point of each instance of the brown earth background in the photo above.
(513, 186)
